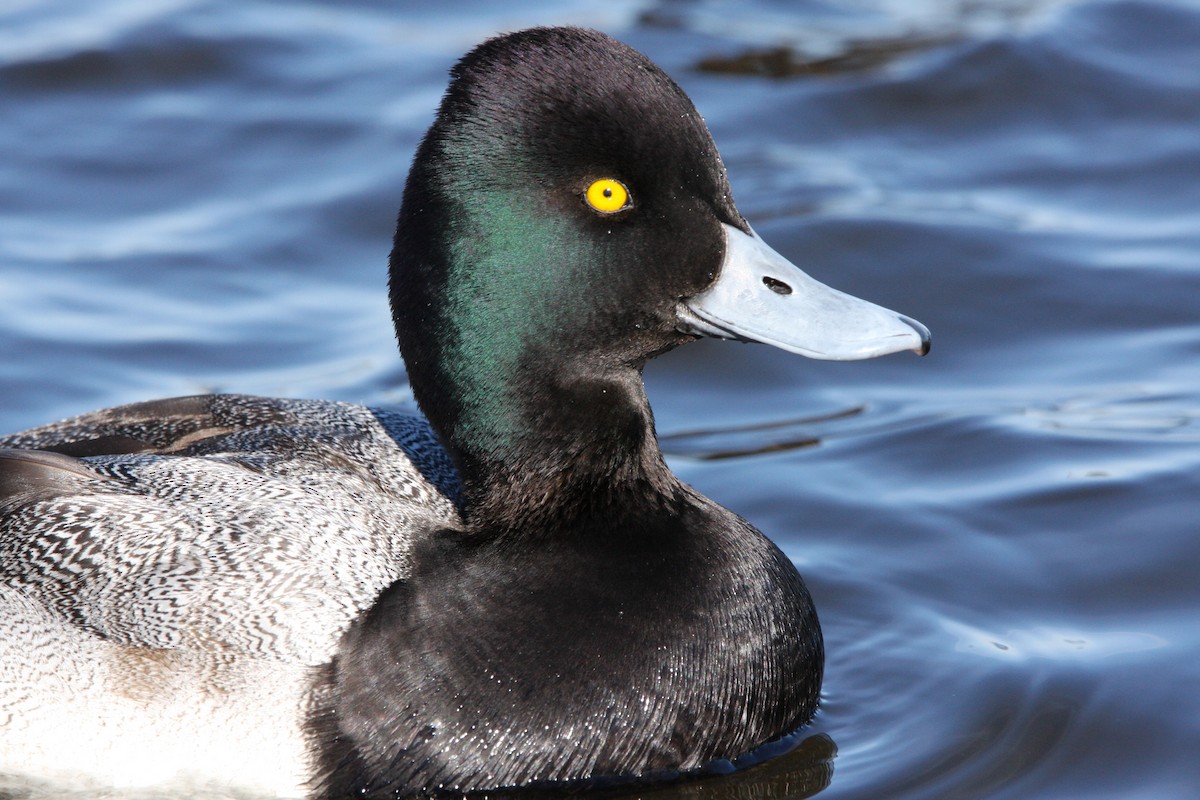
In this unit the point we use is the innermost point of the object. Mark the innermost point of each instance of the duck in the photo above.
(510, 591)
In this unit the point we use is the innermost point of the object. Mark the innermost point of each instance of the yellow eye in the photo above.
(607, 196)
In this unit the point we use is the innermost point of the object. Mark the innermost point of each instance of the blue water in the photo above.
(1001, 538)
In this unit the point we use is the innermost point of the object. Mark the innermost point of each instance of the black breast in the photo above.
(629, 647)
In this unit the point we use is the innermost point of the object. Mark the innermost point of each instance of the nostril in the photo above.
(776, 286)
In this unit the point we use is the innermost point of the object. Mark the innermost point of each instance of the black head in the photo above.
(508, 286)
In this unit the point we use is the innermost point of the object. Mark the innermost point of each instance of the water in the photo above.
(199, 196)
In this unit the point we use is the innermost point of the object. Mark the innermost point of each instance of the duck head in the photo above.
(568, 217)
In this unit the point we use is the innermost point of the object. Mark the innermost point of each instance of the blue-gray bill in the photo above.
(760, 296)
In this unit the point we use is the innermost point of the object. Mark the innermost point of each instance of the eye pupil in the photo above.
(608, 191)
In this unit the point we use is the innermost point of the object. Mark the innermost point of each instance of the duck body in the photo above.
(171, 599)
(515, 591)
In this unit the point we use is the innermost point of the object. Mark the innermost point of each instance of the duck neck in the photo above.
(586, 446)
(544, 446)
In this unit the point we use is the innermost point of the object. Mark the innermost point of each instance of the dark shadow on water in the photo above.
(785, 62)
(802, 772)
(749, 440)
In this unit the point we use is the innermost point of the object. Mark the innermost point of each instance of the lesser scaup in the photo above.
(319, 598)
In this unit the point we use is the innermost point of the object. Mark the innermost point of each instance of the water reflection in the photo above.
(785, 62)
(712, 444)
(803, 772)
(1056, 644)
